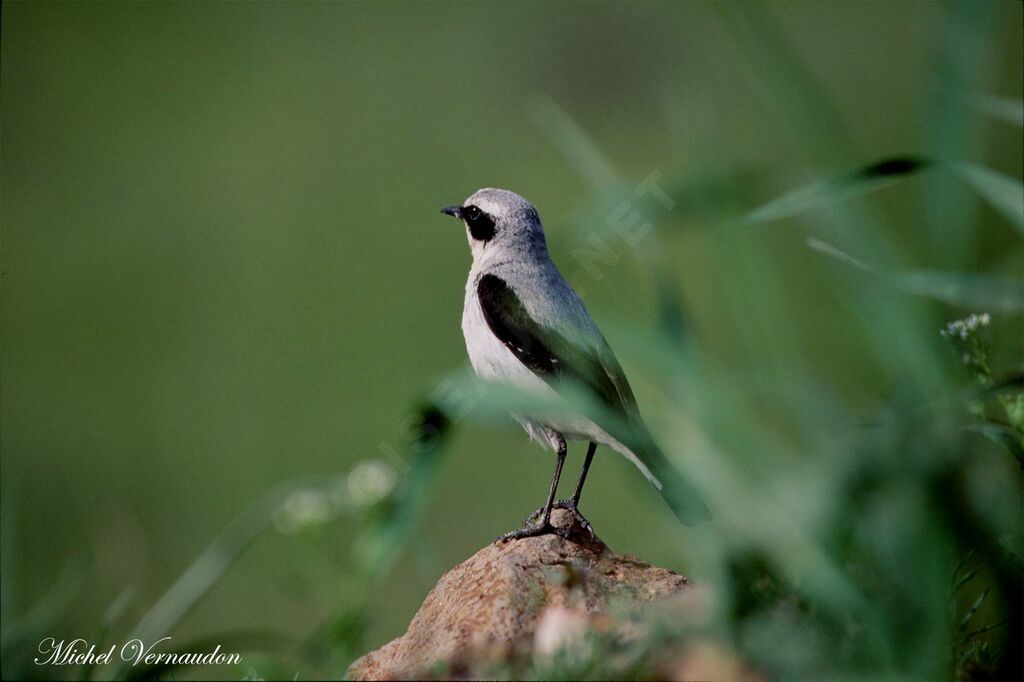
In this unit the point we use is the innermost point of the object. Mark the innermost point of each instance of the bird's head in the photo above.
(499, 221)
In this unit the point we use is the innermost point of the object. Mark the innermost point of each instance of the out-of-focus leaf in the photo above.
(982, 630)
(1009, 382)
(1004, 108)
(380, 542)
(574, 143)
(116, 609)
(829, 250)
(670, 307)
(494, 401)
(22, 634)
(770, 54)
(839, 188)
(961, 53)
(964, 579)
(1002, 436)
(463, 396)
(974, 609)
(1003, 193)
(212, 564)
(964, 290)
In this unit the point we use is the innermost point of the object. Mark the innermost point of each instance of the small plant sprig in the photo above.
(973, 656)
(970, 341)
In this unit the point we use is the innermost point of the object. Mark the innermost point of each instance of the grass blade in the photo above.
(20, 633)
(840, 188)
(210, 566)
(1003, 193)
(964, 290)
(772, 59)
(1003, 436)
(1005, 109)
(965, 579)
(116, 609)
(379, 544)
(833, 252)
(576, 146)
(974, 609)
(974, 633)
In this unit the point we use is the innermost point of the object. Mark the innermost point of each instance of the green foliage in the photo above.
(859, 440)
(386, 510)
(833, 535)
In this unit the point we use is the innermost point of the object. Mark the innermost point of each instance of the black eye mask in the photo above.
(481, 225)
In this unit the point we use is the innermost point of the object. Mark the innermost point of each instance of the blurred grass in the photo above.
(221, 271)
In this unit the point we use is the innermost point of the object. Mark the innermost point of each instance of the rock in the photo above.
(530, 594)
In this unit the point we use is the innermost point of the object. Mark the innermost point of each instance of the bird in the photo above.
(525, 326)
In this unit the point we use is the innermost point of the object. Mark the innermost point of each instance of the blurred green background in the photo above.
(224, 266)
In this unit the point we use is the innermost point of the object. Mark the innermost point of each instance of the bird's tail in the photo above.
(680, 495)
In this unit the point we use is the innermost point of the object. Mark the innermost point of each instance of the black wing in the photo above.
(547, 353)
(553, 357)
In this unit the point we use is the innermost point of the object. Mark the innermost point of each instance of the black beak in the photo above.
(454, 211)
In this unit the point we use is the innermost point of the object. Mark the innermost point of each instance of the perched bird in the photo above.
(525, 326)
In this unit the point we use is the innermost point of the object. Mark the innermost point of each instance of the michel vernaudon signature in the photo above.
(134, 651)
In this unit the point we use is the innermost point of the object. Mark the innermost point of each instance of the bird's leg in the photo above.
(571, 505)
(575, 499)
(544, 526)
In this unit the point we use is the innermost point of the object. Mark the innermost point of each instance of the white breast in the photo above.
(489, 357)
(492, 361)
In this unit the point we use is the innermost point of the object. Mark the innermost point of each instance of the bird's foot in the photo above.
(569, 506)
(532, 531)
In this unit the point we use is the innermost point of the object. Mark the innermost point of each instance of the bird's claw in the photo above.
(570, 507)
(535, 516)
(532, 531)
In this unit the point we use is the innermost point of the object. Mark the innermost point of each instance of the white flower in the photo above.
(962, 329)
(303, 508)
(370, 482)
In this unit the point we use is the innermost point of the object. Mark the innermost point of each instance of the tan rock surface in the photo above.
(492, 602)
